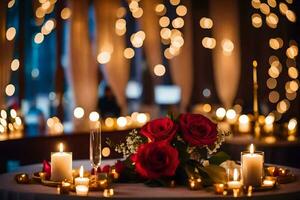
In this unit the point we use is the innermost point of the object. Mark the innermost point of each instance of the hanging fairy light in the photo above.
(10, 33)
(65, 13)
(104, 57)
(206, 23)
(256, 20)
(10, 90)
(11, 3)
(15, 64)
(128, 53)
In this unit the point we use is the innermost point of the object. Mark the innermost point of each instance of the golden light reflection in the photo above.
(255, 4)
(10, 90)
(276, 43)
(291, 96)
(273, 72)
(165, 33)
(164, 21)
(291, 16)
(15, 64)
(121, 12)
(138, 13)
(174, 2)
(128, 53)
(292, 51)
(38, 38)
(272, 20)
(11, 3)
(227, 46)
(274, 96)
(160, 9)
(78, 112)
(283, 106)
(271, 83)
(264, 8)
(283, 8)
(178, 22)
(272, 3)
(104, 57)
(293, 72)
(181, 10)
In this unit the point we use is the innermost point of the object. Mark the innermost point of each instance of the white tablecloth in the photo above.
(10, 190)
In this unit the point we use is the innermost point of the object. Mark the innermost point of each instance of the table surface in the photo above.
(10, 190)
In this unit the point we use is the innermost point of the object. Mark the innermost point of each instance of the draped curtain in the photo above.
(116, 71)
(83, 69)
(5, 55)
(182, 65)
(226, 67)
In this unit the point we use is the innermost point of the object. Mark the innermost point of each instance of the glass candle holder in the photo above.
(233, 178)
(252, 168)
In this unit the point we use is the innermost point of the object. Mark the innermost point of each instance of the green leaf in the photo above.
(218, 158)
(216, 173)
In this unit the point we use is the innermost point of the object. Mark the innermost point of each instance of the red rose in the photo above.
(197, 130)
(47, 169)
(159, 129)
(106, 169)
(156, 159)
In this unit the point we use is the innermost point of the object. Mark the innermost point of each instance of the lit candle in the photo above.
(252, 167)
(108, 192)
(61, 165)
(235, 184)
(195, 184)
(82, 180)
(64, 188)
(268, 183)
(219, 188)
(268, 127)
(231, 116)
(244, 125)
(82, 190)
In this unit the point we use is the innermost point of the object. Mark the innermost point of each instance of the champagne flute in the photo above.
(95, 145)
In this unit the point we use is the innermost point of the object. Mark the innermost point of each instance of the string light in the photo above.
(66, 13)
(11, 3)
(283, 8)
(121, 12)
(78, 112)
(256, 20)
(209, 42)
(164, 21)
(10, 90)
(274, 97)
(15, 64)
(38, 38)
(272, 20)
(159, 70)
(128, 53)
(272, 3)
(10, 33)
(264, 8)
(291, 16)
(174, 2)
(178, 22)
(160, 9)
(104, 57)
(181, 10)
(206, 23)
(255, 4)
(227, 46)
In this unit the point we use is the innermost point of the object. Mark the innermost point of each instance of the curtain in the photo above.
(182, 65)
(150, 25)
(226, 67)
(116, 71)
(83, 69)
(5, 55)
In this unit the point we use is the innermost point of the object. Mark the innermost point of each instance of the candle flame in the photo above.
(254, 63)
(61, 147)
(235, 174)
(251, 148)
(81, 171)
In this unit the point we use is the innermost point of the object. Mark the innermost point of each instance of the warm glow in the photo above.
(291, 16)
(38, 38)
(81, 171)
(65, 13)
(11, 3)
(272, 3)
(283, 106)
(244, 119)
(292, 124)
(293, 72)
(10, 33)
(18, 121)
(141, 118)
(46, 5)
(49, 25)
(283, 8)
(104, 57)
(78, 112)
(106, 151)
(230, 114)
(128, 53)
(274, 97)
(174, 2)
(206, 23)
(61, 147)
(235, 174)
(264, 8)
(109, 122)
(227, 46)
(291, 96)
(272, 20)
(276, 43)
(206, 108)
(178, 22)
(255, 4)
(137, 39)
(181, 10)
(251, 149)
(13, 113)
(159, 70)
(160, 9)
(121, 12)
(15, 64)
(256, 20)
(177, 41)
(94, 116)
(271, 83)
(164, 21)
(168, 54)
(138, 13)
(10, 90)
(209, 43)
(292, 51)
(165, 33)
(3, 114)
(220, 113)
(273, 72)
(269, 119)
(121, 122)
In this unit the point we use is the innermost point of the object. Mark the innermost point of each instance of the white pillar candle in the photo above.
(82, 180)
(82, 190)
(244, 125)
(252, 167)
(61, 165)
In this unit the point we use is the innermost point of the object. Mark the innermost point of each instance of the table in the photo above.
(10, 190)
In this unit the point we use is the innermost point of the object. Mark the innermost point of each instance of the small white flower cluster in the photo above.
(220, 139)
(133, 141)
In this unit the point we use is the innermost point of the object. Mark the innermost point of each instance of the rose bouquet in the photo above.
(170, 150)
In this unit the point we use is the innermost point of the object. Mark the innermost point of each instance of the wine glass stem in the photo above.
(96, 172)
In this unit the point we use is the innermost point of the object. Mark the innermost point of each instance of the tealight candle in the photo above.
(64, 188)
(82, 180)
(194, 184)
(82, 190)
(113, 173)
(234, 184)
(219, 188)
(269, 183)
(252, 167)
(108, 192)
(61, 165)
